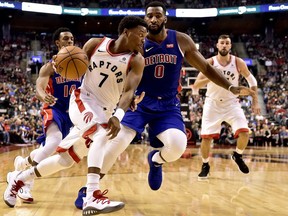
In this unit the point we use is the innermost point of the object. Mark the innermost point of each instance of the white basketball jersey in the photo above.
(230, 71)
(106, 74)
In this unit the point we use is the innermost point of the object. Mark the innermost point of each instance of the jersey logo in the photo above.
(147, 50)
(170, 46)
(88, 117)
(101, 50)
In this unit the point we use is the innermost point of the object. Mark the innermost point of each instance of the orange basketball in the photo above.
(71, 62)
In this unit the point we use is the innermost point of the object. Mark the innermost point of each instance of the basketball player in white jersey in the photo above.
(221, 105)
(114, 72)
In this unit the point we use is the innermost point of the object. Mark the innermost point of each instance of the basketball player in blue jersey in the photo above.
(54, 91)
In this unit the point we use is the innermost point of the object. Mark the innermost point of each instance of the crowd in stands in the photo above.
(20, 119)
(272, 80)
(142, 3)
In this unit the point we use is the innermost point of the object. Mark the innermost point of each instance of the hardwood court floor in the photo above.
(228, 192)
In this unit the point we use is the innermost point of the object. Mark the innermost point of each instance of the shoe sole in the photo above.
(29, 200)
(93, 211)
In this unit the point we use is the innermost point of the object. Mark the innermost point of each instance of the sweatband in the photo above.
(119, 113)
(251, 80)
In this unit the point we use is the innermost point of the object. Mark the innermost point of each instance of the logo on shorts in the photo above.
(88, 117)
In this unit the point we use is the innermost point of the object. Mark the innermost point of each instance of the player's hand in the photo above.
(241, 90)
(137, 100)
(113, 127)
(49, 99)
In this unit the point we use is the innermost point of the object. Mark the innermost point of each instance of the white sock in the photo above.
(92, 184)
(26, 162)
(27, 175)
(205, 160)
(156, 158)
(239, 151)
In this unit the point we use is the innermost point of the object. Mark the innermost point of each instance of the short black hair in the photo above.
(130, 22)
(156, 4)
(57, 33)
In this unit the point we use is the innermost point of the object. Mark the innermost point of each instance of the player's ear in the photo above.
(165, 19)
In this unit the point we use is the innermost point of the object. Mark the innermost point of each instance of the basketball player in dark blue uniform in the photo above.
(164, 52)
(54, 91)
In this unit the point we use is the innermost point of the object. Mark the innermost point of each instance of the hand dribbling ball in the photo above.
(71, 62)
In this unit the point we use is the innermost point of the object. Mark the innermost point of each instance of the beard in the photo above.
(223, 52)
(156, 31)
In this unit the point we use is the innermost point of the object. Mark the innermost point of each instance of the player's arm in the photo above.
(91, 45)
(195, 59)
(42, 82)
(200, 82)
(131, 82)
(252, 82)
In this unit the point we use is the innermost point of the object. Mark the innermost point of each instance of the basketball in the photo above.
(71, 62)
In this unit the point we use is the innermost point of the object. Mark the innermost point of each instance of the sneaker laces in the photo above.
(99, 197)
(16, 187)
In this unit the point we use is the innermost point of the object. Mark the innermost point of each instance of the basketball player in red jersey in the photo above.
(54, 91)
(114, 72)
(221, 105)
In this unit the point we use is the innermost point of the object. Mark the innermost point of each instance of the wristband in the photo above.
(229, 88)
(119, 113)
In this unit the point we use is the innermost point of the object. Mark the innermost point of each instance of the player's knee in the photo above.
(243, 135)
(179, 146)
(66, 160)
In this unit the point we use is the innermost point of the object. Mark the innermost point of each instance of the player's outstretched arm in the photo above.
(42, 82)
(132, 81)
(195, 59)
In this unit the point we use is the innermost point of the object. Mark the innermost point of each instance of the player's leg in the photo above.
(237, 120)
(113, 149)
(96, 202)
(53, 138)
(174, 144)
(211, 126)
(16, 180)
(65, 159)
(205, 149)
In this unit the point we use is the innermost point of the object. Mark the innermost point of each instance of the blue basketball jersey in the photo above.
(163, 63)
(160, 108)
(61, 88)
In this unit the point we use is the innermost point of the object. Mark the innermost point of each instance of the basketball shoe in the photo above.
(99, 204)
(239, 161)
(155, 173)
(19, 163)
(80, 199)
(12, 188)
(25, 192)
(204, 171)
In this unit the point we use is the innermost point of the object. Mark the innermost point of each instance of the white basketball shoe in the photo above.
(25, 192)
(19, 163)
(10, 194)
(99, 204)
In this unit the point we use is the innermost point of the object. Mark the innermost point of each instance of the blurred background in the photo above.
(258, 30)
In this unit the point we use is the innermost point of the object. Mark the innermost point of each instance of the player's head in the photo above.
(224, 45)
(63, 37)
(155, 17)
(134, 29)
